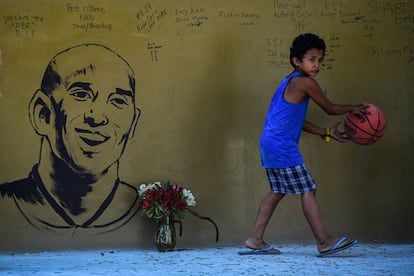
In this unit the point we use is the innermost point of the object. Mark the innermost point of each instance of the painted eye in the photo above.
(119, 101)
(81, 95)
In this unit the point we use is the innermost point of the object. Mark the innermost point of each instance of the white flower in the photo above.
(189, 197)
(154, 186)
(142, 189)
(150, 186)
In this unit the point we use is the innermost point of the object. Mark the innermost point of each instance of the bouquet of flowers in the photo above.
(159, 200)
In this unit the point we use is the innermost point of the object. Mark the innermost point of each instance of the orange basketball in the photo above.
(368, 129)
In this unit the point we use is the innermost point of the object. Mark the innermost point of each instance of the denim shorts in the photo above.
(291, 180)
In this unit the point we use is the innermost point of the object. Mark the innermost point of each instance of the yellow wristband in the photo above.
(327, 136)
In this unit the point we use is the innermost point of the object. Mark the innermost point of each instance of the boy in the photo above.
(285, 168)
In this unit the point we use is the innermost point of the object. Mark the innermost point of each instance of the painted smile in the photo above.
(92, 138)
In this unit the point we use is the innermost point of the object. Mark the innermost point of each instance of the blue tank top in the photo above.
(279, 143)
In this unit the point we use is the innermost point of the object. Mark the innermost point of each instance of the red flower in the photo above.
(165, 202)
(180, 205)
(149, 193)
(146, 204)
(159, 193)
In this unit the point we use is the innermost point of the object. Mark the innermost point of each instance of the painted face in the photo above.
(94, 109)
(311, 63)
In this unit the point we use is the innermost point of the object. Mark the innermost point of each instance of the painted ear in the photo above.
(137, 114)
(40, 110)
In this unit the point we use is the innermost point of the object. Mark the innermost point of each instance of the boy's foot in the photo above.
(337, 245)
(261, 245)
(270, 250)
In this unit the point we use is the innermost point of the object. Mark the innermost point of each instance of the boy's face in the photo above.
(311, 63)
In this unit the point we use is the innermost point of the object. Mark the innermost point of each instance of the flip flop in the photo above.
(336, 248)
(263, 251)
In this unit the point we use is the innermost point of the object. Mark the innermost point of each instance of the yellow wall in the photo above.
(206, 71)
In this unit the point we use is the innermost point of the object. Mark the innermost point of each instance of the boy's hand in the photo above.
(359, 110)
(338, 135)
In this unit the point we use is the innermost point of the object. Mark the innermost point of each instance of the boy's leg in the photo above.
(313, 216)
(265, 212)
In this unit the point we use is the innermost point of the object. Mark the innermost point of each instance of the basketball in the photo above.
(367, 130)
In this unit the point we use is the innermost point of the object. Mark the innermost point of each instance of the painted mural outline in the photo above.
(85, 113)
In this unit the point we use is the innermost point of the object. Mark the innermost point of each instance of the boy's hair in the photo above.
(303, 43)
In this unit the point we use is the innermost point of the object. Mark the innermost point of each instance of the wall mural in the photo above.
(85, 113)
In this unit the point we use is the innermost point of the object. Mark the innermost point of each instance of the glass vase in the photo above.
(165, 236)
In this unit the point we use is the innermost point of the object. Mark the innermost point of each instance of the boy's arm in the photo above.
(326, 133)
(312, 89)
(313, 129)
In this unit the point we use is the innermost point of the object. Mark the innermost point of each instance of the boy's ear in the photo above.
(137, 114)
(296, 61)
(40, 112)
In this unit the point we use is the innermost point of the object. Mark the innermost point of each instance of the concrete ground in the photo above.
(362, 259)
